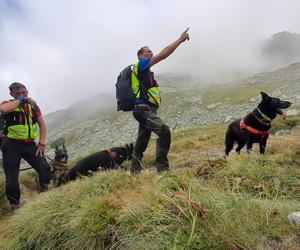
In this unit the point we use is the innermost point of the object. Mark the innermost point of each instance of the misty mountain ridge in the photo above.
(280, 49)
(173, 83)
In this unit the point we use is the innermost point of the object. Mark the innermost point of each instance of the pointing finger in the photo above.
(186, 30)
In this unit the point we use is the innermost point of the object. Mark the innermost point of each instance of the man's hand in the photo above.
(40, 149)
(31, 101)
(170, 48)
(184, 36)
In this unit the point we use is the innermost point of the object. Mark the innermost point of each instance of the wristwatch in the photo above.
(22, 99)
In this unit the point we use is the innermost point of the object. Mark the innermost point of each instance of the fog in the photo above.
(68, 50)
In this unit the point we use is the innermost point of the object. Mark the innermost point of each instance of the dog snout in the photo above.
(288, 104)
(285, 104)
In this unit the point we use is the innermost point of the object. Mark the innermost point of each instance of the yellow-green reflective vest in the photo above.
(153, 95)
(27, 129)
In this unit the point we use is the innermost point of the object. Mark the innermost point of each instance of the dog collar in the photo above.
(264, 116)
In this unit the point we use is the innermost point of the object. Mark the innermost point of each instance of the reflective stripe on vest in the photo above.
(135, 87)
(25, 131)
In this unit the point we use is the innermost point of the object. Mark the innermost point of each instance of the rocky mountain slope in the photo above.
(95, 124)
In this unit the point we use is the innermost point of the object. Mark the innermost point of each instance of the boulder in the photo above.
(211, 106)
(294, 218)
(228, 118)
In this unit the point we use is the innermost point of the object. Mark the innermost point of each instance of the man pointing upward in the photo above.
(148, 99)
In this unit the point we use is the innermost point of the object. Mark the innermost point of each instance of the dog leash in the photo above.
(46, 156)
(139, 161)
(24, 169)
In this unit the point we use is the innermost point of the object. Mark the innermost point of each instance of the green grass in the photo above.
(215, 203)
(178, 210)
(28, 188)
(205, 202)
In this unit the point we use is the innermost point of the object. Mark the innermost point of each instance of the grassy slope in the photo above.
(206, 202)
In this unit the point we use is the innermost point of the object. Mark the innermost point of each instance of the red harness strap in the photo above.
(112, 154)
(253, 130)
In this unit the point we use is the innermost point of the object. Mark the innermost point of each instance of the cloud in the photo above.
(66, 51)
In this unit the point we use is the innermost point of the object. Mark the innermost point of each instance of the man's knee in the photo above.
(165, 130)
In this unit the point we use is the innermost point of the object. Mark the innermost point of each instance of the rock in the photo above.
(228, 118)
(203, 138)
(294, 218)
(211, 106)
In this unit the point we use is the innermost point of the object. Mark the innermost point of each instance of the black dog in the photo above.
(111, 158)
(255, 127)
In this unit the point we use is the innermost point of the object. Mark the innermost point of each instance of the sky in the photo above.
(65, 51)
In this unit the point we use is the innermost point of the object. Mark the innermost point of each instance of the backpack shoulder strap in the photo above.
(142, 85)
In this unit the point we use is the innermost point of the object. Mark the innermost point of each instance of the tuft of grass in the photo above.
(288, 124)
(28, 190)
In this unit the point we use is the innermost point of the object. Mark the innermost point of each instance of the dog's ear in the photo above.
(264, 95)
(56, 147)
(64, 147)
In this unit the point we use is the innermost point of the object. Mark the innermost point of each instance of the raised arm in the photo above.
(170, 48)
(8, 107)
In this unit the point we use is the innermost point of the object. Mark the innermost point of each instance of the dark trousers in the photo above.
(150, 122)
(13, 152)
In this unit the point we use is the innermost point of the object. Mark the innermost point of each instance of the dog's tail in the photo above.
(229, 139)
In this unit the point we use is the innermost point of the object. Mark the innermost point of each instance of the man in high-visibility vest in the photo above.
(22, 117)
(148, 99)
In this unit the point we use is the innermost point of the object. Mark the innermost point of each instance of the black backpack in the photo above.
(124, 92)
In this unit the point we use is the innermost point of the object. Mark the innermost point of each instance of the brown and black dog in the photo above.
(59, 165)
(111, 158)
(255, 127)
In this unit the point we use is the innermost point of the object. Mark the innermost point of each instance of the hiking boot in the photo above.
(136, 165)
(135, 171)
(44, 188)
(161, 166)
(15, 206)
(165, 169)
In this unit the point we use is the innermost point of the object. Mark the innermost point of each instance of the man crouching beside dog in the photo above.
(22, 117)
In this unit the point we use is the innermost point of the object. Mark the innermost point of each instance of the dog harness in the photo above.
(253, 130)
(57, 165)
(112, 154)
